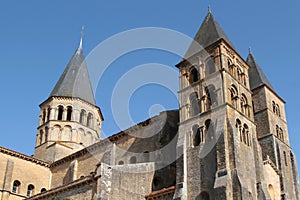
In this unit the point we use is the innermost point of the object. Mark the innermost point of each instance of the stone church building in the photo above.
(228, 139)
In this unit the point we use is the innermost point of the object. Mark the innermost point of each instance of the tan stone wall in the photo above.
(24, 171)
(272, 178)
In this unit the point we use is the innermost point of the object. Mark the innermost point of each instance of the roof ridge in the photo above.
(23, 156)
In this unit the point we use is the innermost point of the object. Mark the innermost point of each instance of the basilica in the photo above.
(228, 139)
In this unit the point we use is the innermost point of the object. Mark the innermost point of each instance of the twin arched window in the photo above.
(86, 119)
(279, 133)
(245, 108)
(60, 110)
(276, 108)
(243, 131)
(209, 68)
(204, 104)
(200, 133)
(237, 72)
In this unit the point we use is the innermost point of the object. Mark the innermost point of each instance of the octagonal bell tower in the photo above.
(69, 118)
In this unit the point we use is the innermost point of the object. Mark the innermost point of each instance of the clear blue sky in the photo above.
(39, 37)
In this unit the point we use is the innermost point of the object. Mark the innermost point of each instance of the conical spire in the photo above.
(210, 31)
(257, 76)
(75, 81)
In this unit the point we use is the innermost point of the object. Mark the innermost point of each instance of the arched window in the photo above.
(285, 158)
(209, 129)
(30, 190)
(274, 106)
(278, 110)
(244, 105)
(233, 96)
(133, 160)
(207, 99)
(69, 113)
(44, 116)
(196, 135)
(43, 190)
(279, 132)
(82, 116)
(271, 192)
(41, 136)
(194, 75)
(246, 137)
(195, 109)
(211, 96)
(121, 162)
(89, 120)
(16, 187)
(238, 125)
(230, 66)
(239, 74)
(46, 134)
(292, 158)
(60, 112)
(48, 113)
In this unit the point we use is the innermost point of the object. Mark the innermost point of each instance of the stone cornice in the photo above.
(75, 184)
(23, 157)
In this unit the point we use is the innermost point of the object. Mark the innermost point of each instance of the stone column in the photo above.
(64, 116)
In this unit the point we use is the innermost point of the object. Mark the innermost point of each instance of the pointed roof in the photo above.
(257, 76)
(210, 31)
(75, 80)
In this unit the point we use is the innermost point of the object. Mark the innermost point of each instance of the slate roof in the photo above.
(257, 76)
(210, 31)
(75, 80)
